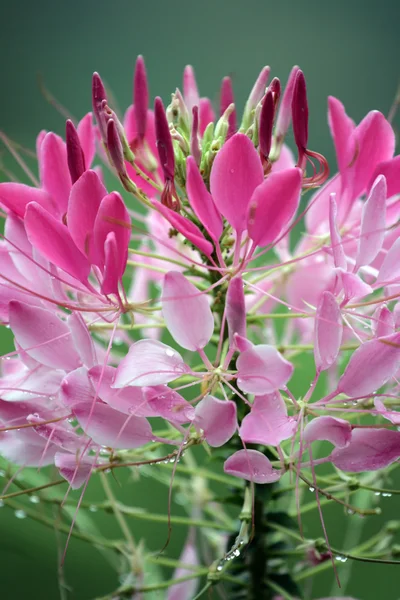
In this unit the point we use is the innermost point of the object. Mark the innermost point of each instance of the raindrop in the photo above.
(289, 308)
(350, 511)
(170, 352)
(2, 473)
(377, 493)
(34, 499)
(1, 503)
(220, 567)
(93, 508)
(20, 514)
(311, 489)
(386, 495)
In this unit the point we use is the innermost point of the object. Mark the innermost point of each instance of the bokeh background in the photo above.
(347, 48)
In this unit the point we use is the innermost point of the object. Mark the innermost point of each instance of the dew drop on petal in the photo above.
(20, 514)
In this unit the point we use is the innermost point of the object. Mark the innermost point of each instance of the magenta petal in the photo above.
(112, 274)
(149, 362)
(186, 312)
(84, 201)
(383, 321)
(189, 230)
(112, 217)
(206, 114)
(16, 196)
(235, 174)
(371, 366)
(262, 370)
(252, 466)
(236, 309)
(168, 404)
(273, 205)
(373, 224)
(390, 269)
(109, 427)
(217, 418)
(43, 336)
(76, 470)
(86, 133)
(54, 241)
(391, 170)
(336, 431)
(130, 400)
(54, 172)
(82, 339)
(268, 422)
(369, 450)
(341, 127)
(201, 201)
(328, 332)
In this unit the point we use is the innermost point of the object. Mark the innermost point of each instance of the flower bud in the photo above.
(164, 140)
(266, 124)
(300, 116)
(195, 149)
(190, 91)
(140, 97)
(98, 96)
(177, 113)
(115, 148)
(283, 120)
(255, 96)
(75, 156)
(226, 100)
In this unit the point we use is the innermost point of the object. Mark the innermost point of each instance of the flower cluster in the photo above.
(91, 285)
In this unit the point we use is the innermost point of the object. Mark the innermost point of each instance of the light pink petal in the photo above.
(189, 557)
(236, 309)
(86, 133)
(168, 404)
(84, 201)
(317, 217)
(217, 418)
(369, 450)
(354, 286)
(82, 339)
(26, 448)
(273, 205)
(242, 343)
(262, 370)
(268, 422)
(383, 322)
(391, 415)
(235, 174)
(76, 388)
(54, 172)
(16, 196)
(252, 466)
(149, 362)
(390, 269)
(189, 230)
(109, 427)
(76, 470)
(190, 91)
(371, 366)
(328, 332)
(339, 256)
(341, 127)
(130, 400)
(186, 312)
(201, 200)
(285, 161)
(112, 217)
(336, 431)
(43, 336)
(373, 224)
(391, 170)
(206, 114)
(60, 434)
(54, 241)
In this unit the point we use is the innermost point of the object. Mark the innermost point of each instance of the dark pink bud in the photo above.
(190, 91)
(194, 136)
(226, 100)
(300, 115)
(114, 146)
(275, 88)
(98, 95)
(164, 140)
(140, 97)
(266, 124)
(283, 120)
(75, 156)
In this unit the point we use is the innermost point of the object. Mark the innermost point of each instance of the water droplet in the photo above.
(1, 503)
(386, 495)
(170, 352)
(20, 514)
(350, 511)
(93, 508)
(34, 499)
(377, 493)
(289, 308)
(2, 473)
(107, 471)
(220, 567)
(311, 489)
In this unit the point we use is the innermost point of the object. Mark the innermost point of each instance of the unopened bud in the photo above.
(190, 91)
(140, 97)
(115, 148)
(98, 96)
(164, 140)
(256, 94)
(75, 156)
(300, 116)
(285, 110)
(275, 88)
(223, 125)
(226, 100)
(195, 150)
(266, 124)
(177, 113)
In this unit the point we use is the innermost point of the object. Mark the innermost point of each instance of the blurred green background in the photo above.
(346, 48)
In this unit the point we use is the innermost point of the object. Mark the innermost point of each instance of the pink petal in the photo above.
(36, 330)
(391, 415)
(262, 370)
(112, 217)
(217, 418)
(336, 431)
(339, 256)
(112, 276)
(84, 201)
(369, 450)
(354, 286)
(54, 172)
(75, 470)
(82, 339)
(168, 404)
(371, 366)
(149, 362)
(201, 201)
(190, 91)
(391, 170)
(273, 205)
(16, 196)
(236, 309)
(252, 466)
(189, 556)
(189, 230)
(268, 422)
(341, 127)
(130, 401)
(383, 322)
(206, 114)
(328, 332)
(109, 427)
(60, 434)
(235, 174)
(53, 240)
(86, 133)
(390, 269)
(26, 448)
(186, 312)
(373, 224)
(76, 388)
